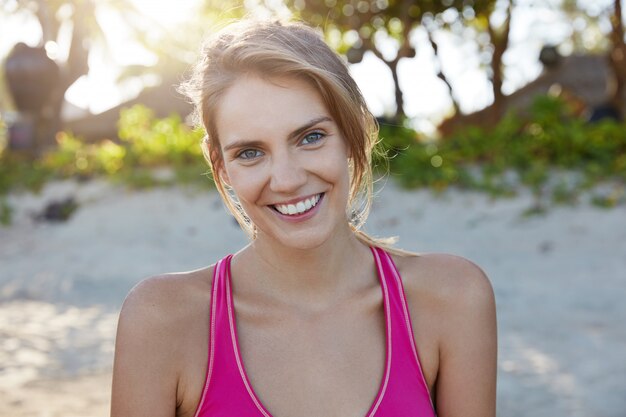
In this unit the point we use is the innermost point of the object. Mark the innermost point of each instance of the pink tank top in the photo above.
(227, 390)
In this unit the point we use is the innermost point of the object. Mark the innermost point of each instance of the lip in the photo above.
(296, 218)
(295, 200)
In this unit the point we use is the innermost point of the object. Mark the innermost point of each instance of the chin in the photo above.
(309, 239)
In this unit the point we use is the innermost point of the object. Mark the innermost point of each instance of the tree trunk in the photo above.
(617, 59)
(440, 73)
(48, 121)
(500, 43)
(405, 50)
(393, 67)
(400, 114)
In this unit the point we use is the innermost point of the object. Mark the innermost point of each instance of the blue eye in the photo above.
(249, 154)
(312, 138)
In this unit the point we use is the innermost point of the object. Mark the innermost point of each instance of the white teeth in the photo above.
(300, 207)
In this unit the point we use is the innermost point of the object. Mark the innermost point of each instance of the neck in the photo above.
(313, 276)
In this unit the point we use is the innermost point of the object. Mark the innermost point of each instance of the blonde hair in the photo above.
(271, 49)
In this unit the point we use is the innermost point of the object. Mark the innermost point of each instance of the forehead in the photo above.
(254, 107)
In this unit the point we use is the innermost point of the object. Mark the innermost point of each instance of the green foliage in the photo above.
(146, 146)
(18, 171)
(156, 142)
(550, 151)
(6, 212)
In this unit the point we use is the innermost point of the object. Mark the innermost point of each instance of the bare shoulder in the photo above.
(452, 307)
(162, 309)
(162, 329)
(164, 299)
(446, 280)
(450, 299)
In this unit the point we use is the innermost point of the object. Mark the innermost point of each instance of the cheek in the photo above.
(334, 168)
(246, 183)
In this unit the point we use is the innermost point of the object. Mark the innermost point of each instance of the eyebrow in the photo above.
(297, 132)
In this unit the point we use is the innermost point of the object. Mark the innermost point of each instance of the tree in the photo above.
(353, 27)
(174, 49)
(47, 114)
(356, 26)
(617, 58)
(476, 22)
(498, 41)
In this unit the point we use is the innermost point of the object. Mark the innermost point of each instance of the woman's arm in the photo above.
(145, 366)
(454, 322)
(466, 381)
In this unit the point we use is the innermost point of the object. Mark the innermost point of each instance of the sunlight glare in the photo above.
(165, 12)
(379, 95)
(101, 89)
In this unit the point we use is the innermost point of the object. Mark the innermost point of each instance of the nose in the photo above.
(287, 173)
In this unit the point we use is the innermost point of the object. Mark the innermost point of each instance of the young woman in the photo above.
(313, 317)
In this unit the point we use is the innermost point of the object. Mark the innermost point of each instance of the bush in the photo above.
(542, 151)
(145, 145)
(550, 151)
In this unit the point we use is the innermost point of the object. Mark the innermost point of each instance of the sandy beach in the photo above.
(559, 280)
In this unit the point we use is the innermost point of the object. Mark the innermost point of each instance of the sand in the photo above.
(559, 280)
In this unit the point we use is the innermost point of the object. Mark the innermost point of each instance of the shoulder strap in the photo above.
(401, 317)
(402, 328)
(217, 318)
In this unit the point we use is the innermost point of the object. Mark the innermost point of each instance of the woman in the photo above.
(312, 317)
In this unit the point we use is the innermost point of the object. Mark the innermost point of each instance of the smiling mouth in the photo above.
(300, 207)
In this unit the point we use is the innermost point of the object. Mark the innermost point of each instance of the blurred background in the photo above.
(428, 70)
(519, 102)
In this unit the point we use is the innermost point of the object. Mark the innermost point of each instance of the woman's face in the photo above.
(285, 158)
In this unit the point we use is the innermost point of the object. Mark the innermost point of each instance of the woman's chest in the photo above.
(315, 364)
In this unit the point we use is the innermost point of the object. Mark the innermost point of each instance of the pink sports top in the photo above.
(227, 390)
